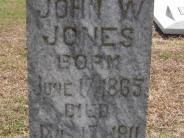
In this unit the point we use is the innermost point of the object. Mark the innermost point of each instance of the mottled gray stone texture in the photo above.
(88, 64)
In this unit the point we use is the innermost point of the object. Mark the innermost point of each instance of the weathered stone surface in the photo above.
(88, 63)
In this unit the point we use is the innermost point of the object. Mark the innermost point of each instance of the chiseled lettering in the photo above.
(125, 131)
(100, 36)
(107, 34)
(103, 111)
(91, 110)
(50, 36)
(53, 87)
(70, 35)
(112, 86)
(62, 8)
(78, 8)
(91, 131)
(64, 61)
(46, 131)
(80, 62)
(67, 89)
(127, 35)
(50, 88)
(97, 110)
(72, 110)
(127, 5)
(115, 86)
(70, 8)
(97, 5)
(122, 130)
(98, 60)
(44, 5)
(137, 86)
(89, 35)
(50, 131)
(75, 6)
(113, 61)
(125, 86)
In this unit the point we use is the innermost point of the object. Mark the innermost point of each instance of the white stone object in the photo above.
(169, 16)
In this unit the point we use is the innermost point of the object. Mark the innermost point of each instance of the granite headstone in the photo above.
(88, 67)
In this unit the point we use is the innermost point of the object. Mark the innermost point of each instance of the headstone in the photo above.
(88, 64)
(169, 16)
